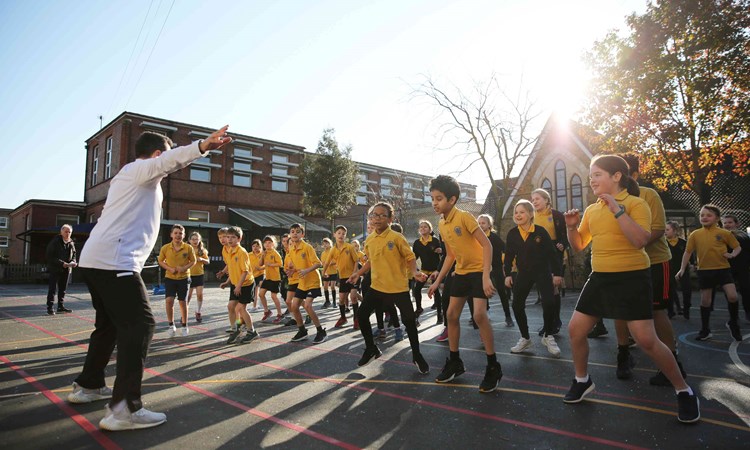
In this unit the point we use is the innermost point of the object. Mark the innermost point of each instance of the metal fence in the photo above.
(23, 273)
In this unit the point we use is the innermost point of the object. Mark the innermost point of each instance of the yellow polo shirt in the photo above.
(345, 258)
(181, 257)
(198, 269)
(273, 257)
(610, 250)
(255, 264)
(388, 253)
(545, 220)
(303, 255)
(294, 278)
(324, 256)
(657, 251)
(710, 244)
(456, 231)
(238, 261)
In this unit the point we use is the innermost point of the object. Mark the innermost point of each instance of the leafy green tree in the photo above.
(676, 89)
(329, 178)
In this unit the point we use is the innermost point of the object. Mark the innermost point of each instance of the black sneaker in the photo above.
(659, 380)
(290, 322)
(451, 370)
(578, 391)
(703, 335)
(688, 407)
(326, 304)
(597, 331)
(233, 336)
(300, 336)
(734, 330)
(250, 336)
(320, 336)
(686, 313)
(625, 364)
(369, 355)
(50, 311)
(492, 377)
(62, 309)
(421, 364)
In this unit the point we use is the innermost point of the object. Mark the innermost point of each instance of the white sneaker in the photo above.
(551, 344)
(171, 331)
(521, 345)
(83, 395)
(184, 331)
(125, 420)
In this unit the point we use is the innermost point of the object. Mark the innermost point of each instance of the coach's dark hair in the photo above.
(148, 142)
(613, 164)
(447, 185)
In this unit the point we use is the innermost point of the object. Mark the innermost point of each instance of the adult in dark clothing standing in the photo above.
(553, 221)
(486, 223)
(740, 265)
(61, 259)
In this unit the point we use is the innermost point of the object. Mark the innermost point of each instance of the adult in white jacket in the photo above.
(111, 264)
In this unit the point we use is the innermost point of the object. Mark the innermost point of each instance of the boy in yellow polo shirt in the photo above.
(241, 283)
(469, 247)
(256, 267)
(344, 258)
(176, 258)
(271, 260)
(304, 263)
(388, 258)
(330, 273)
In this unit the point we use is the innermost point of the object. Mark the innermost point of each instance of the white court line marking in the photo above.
(736, 357)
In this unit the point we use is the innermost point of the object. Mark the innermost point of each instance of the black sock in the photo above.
(734, 311)
(302, 328)
(319, 328)
(623, 348)
(342, 309)
(492, 359)
(705, 317)
(454, 356)
(184, 325)
(355, 307)
(326, 294)
(171, 323)
(333, 293)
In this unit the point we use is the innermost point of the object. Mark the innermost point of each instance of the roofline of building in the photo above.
(377, 168)
(39, 201)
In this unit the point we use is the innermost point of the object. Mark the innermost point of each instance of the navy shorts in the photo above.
(617, 295)
(332, 277)
(246, 294)
(176, 288)
(709, 279)
(346, 287)
(310, 293)
(196, 281)
(468, 285)
(271, 286)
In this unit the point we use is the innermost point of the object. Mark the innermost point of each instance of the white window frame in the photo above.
(276, 187)
(194, 171)
(385, 190)
(4, 222)
(92, 218)
(279, 158)
(108, 159)
(243, 175)
(279, 171)
(95, 166)
(385, 181)
(6, 243)
(195, 215)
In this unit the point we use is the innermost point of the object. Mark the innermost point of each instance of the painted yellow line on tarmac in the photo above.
(51, 338)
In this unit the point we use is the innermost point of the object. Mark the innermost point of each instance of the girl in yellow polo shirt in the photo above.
(197, 272)
(710, 243)
(618, 226)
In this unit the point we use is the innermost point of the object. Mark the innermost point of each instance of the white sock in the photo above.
(583, 379)
(688, 390)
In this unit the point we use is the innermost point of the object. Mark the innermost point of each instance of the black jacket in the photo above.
(498, 248)
(426, 253)
(537, 254)
(59, 252)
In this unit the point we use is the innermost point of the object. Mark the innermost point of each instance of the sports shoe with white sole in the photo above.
(551, 344)
(521, 345)
(82, 395)
(171, 331)
(125, 420)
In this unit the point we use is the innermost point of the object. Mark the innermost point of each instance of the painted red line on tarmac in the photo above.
(258, 413)
(417, 401)
(87, 426)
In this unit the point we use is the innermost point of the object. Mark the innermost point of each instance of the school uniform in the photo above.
(332, 271)
(177, 284)
(658, 251)
(424, 250)
(456, 230)
(197, 272)
(710, 244)
(258, 272)
(344, 260)
(272, 279)
(677, 249)
(302, 255)
(238, 262)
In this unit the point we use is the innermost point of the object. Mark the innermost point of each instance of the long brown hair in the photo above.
(613, 164)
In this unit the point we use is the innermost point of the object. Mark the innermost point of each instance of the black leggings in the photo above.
(400, 300)
(521, 288)
(416, 291)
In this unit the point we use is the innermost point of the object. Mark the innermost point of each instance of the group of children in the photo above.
(630, 279)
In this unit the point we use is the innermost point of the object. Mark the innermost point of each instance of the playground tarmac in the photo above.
(272, 393)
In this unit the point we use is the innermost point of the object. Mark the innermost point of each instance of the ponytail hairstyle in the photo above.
(200, 242)
(613, 164)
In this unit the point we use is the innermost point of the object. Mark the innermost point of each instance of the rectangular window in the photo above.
(3, 222)
(95, 166)
(385, 191)
(385, 180)
(280, 158)
(361, 199)
(428, 198)
(243, 166)
(62, 219)
(242, 180)
(280, 185)
(277, 170)
(407, 184)
(363, 187)
(363, 177)
(243, 153)
(108, 159)
(198, 216)
(200, 174)
(3, 241)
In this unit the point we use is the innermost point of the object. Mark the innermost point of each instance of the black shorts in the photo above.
(310, 293)
(345, 287)
(270, 285)
(709, 279)
(259, 279)
(468, 285)
(660, 282)
(245, 297)
(176, 288)
(332, 277)
(196, 281)
(617, 295)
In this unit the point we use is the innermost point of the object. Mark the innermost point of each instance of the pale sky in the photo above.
(280, 70)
